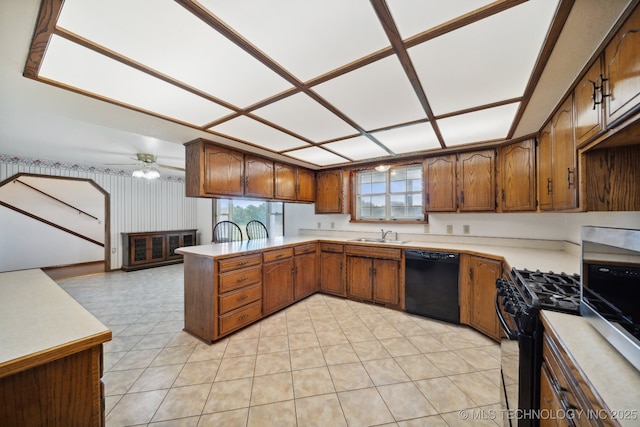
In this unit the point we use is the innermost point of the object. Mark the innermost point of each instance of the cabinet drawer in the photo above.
(374, 252)
(331, 247)
(305, 249)
(276, 255)
(239, 318)
(238, 262)
(232, 300)
(240, 278)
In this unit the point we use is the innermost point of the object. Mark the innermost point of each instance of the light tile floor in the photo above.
(324, 361)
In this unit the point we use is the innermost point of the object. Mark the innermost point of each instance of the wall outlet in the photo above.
(113, 250)
(426, 228)
(333, 224)
(449, 229)
(319, 225)
(465, 229)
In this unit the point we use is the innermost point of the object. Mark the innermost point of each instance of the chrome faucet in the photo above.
(384, 233)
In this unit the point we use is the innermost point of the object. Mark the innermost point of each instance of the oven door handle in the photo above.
(510, 334)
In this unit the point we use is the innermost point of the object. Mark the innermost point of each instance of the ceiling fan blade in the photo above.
(170, 167)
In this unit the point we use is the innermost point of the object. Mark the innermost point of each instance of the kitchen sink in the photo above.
(374, 240)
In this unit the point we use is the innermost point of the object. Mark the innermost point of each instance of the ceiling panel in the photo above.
(485, 62)
(316, 156)
(415, 16)
(100, 75)
(151, 31)
(307, 38)
(305, 117)
(375, 96)
(407, 139)
(482, 125)
(256, 133)
(357, 148)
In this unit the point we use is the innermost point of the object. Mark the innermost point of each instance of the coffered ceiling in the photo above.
(321, 83)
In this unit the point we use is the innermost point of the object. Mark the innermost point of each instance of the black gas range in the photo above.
(519, 299)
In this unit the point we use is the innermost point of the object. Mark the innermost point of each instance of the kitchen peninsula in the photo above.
(51, 355)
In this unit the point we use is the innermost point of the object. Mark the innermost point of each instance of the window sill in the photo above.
(383, 221)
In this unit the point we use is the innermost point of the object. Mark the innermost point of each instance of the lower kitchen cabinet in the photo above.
(305, 270)
(278, 275)
(477, 294)
(332, 278)
(371, 277)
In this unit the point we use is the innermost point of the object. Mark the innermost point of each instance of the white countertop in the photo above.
(616, 380)
(544, 259)
(37, 316)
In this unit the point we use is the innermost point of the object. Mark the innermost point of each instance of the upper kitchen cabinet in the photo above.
(588, 104)
(440, 183)
(332, 192)
(224, 171)
(622, 71)
(557, 171)
(259, 177)
(463, 182)
(476, 181)
(294, 183)
(517, 177)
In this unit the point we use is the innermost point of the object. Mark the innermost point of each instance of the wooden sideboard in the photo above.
(154, 248)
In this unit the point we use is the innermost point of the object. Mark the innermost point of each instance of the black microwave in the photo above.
(610, 286)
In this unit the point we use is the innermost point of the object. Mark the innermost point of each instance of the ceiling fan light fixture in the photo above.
(382, 168)
(138, 173)
(152, 174)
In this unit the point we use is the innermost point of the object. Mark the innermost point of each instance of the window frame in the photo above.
(355, 214)
(270, 211)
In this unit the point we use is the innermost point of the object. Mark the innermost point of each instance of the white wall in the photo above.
(135, 205)
(548, 226)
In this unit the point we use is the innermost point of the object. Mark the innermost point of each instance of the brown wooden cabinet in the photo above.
(613, 179)
(476, 181)
(154, 248)
(557, 161)
(440, 183)
(516, 173)
(477, 293)
(622, 70)
(563, 390)
(258, 177)
(278, 280)
(332, 192)
(224, 171)
(332, 271)
(239, 293)
(588, 106)
(305, 270)
(294, 183)
(373, 274)
(463, 182)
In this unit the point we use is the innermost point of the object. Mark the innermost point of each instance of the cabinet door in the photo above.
(622, 67)
(476, 182)
(564, 158)
(545, 167)
(517, 177)
(331, 273)
(588, 114)
(258, 179)
(386, 275)
(147, 249)
(481, 279)
(549, 400)
(440, 184)
(174, 241)
(224, 171)
(306, 185)
(285, 186)
(359, 277)
(277, 285)
(306, 267)
(329, 192)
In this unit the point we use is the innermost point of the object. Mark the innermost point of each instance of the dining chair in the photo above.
(226, 231)
(256, 230)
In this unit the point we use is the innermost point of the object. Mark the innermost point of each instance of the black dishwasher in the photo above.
(431, 284)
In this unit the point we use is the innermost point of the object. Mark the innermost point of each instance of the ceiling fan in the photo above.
(148, 168)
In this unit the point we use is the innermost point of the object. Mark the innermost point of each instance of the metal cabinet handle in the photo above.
(569, 173)
(241, 279)
(549, 185)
